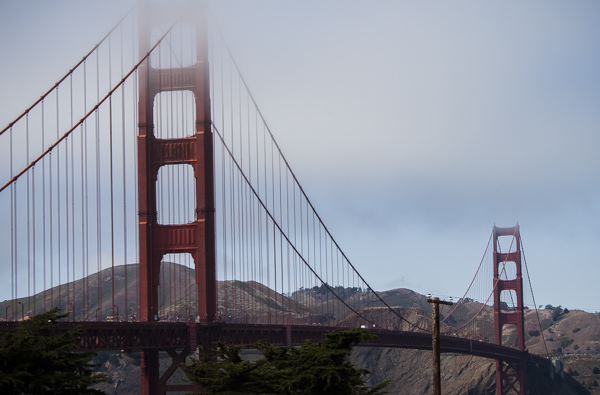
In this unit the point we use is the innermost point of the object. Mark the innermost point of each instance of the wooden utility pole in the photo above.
(435, 341)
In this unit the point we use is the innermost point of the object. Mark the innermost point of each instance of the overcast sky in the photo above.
(412, 126)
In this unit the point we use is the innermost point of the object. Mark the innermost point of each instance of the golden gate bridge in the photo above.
(147, 196)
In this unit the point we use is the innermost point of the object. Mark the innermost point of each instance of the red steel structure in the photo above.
(510, 375)
(196, 238)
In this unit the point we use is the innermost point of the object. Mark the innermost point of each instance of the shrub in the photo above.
(556, 313)
(534, 333)
(546, 323)
(596, 370)
(565, 342)
(576, 329)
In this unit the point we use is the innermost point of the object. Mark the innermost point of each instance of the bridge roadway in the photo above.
(171, 335)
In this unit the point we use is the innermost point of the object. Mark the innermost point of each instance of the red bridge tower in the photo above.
(510, 376)
(198, 237)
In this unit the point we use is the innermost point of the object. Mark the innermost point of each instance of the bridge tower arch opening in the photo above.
(508, 284)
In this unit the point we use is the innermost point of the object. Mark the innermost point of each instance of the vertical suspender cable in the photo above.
(258, 211)
(287, 210)
(85, 223)
(171, 175)
(280, 241)
(44, 253)
(33, 227)
(327, 275)
(315, 305)
(274, 228)
(112, 186)
(259, 276)
(98, 312)
(232, 197)
(13, 262)
(85, 205)
(281, 259)
(267, 233)
(181, 185)
(67, 214)
(135, 173)
(15, 245)
(124, 186)
(321, 287)
(58, 201)
(250, 200)
(112, 205)
(240, 195)
(247, 242)
(172, 170)
(51, 229)
(74, 298)
(30, 205)
(224, 210)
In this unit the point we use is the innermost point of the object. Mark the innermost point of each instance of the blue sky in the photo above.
(413, 127)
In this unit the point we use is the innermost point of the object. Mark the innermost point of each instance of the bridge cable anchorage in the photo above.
(533, 297)
(86, 116)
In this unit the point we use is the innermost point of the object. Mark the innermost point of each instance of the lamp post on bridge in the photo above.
(435, 340)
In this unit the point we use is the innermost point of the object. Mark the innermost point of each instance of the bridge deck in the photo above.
(163, 336)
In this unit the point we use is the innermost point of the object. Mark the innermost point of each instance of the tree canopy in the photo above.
(312, 368)
(35, 358)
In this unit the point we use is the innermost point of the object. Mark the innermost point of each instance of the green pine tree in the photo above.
(311, 369)
(35, 358)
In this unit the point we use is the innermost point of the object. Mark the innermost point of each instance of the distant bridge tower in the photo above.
(198, 237)
(510, 376)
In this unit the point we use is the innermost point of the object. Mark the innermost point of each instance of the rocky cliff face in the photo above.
(411, 373)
